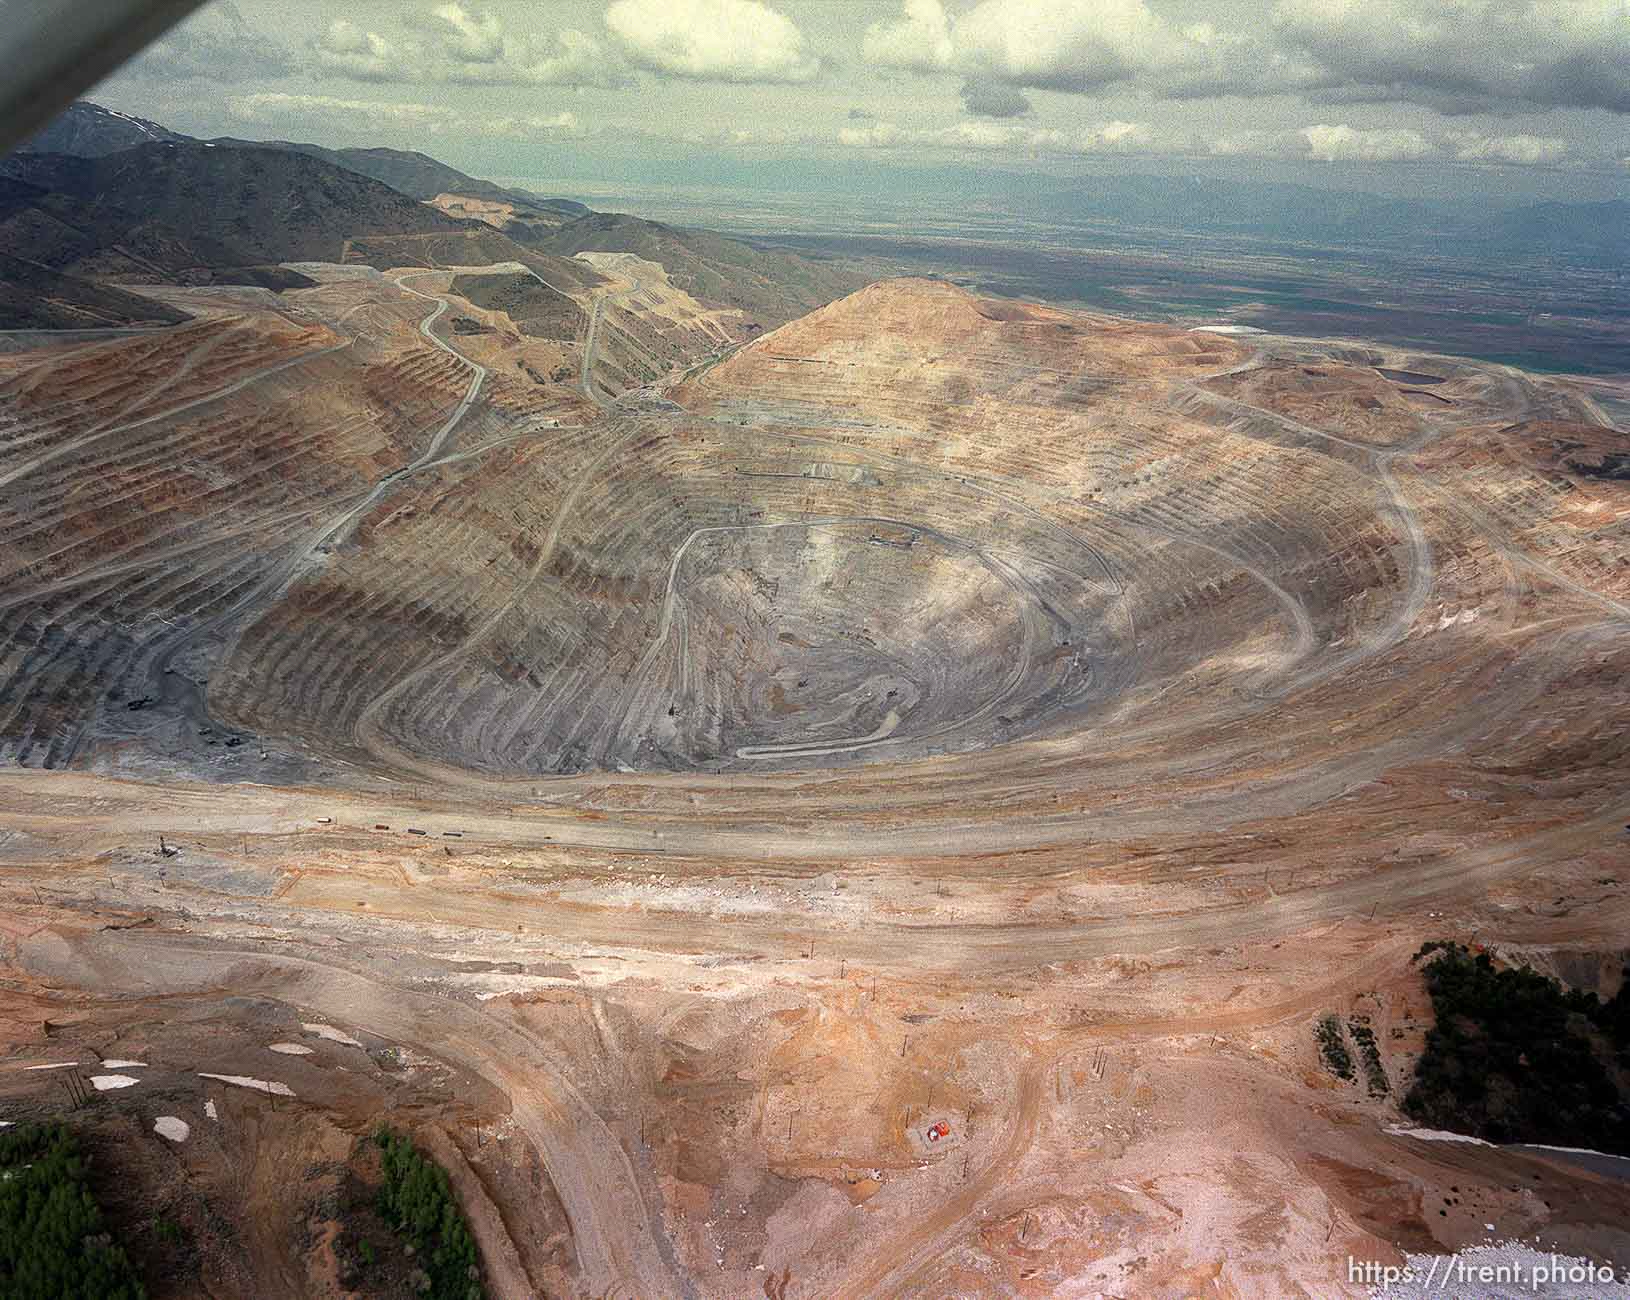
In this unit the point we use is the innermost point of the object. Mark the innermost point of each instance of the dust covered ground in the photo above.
(670, 778)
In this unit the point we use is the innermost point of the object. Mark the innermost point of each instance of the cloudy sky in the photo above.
(1534, 94)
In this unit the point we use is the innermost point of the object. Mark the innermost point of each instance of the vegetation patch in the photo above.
(52, 1238)
(1375, 1074)
(1516, 1057)
(1333, 1048)
(417, 1201)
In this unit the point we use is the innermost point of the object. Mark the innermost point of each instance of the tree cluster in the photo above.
(417, 1201)
(52, 1238)
(1516, 1057)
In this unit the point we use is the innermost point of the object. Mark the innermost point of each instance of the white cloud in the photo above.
(567, 58)
(454, 43)
(1063, 43)
(1344, 143)
(1071, 45)
(758, 136)
(880, 135)
(272, 108)
(1528, 150)
(920, 40)
(351, 52)
(1116, 135)
(472, 37)
(994, 137)
(1328, 143)
(712, 40)
(288, 112)
(521, 128)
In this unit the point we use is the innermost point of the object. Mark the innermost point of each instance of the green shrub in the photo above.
(418, 1202)
(52, 1240)
(1333, 1049)
(1375, 1073)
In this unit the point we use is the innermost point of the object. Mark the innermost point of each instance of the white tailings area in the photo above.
(333, 1035)
(243, 1081)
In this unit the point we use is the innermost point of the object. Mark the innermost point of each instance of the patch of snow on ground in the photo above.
(290, 1049)
(1502, 1270)
(55, 1065)
(210, 1111)
(124, 1065)
(1434, 1135)
(177, 1130)
(333, 1035)
(243, 1081)
(108, 1082)
(1571, 1151)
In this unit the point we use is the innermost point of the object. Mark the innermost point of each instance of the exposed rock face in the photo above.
(915, 522)
(689, 774)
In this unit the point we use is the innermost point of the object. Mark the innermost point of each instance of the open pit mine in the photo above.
(879, 807)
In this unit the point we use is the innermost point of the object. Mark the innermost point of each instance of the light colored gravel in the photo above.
(1503, 1270)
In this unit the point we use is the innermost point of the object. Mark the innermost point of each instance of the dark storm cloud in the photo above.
(994, 99)
(1476, 57)
(1472, 56)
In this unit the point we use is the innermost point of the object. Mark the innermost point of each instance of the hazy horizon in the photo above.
(1409, 100)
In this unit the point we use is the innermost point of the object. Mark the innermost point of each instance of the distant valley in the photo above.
(102, 199)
